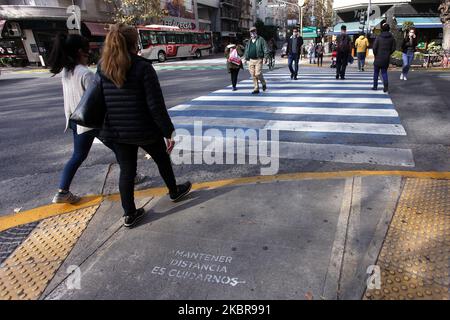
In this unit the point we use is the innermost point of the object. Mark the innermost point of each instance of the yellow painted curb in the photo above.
(37, 214)
(13, 220)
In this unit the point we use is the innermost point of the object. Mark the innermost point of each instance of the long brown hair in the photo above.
(116, 60)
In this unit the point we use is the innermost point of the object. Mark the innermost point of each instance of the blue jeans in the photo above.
(361, 60)
(376, 74)
(82, 144)
(293, 57)
(407, 60)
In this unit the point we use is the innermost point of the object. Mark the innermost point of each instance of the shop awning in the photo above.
(97, 29)
(2, 24)
(421, 22)
(353, 27)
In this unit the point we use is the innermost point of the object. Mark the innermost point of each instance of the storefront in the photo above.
(428, 29)
(12, 51)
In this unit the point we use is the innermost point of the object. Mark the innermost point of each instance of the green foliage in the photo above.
(434, 47)
(135, 11)
(397, 54)
(407, 25)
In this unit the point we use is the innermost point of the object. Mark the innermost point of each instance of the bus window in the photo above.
(161, 36)
(170, 38)
(187, 39)
(145, 39)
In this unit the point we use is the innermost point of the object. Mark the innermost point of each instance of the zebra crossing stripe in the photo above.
(300, 126)
(313, 151)
(346, 100)
(295, 110)
(313, 91)
(336, 86)
(336, 127)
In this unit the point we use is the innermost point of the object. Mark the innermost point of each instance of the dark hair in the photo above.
(294, 29)
(385, 27)
(344, 27)
(65, 51)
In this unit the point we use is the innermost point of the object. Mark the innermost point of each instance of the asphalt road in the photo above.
(34, 147)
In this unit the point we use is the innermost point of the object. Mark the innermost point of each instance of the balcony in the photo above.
(18, 12)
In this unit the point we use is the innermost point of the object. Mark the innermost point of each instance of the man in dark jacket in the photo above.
(383, 48)
(343, 48)
(293, 52)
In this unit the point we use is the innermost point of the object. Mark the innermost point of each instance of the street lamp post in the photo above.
(299, 6)
(369, 10)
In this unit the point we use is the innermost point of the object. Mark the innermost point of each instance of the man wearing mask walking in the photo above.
(343, 44)
(256, 53)
(293, 51)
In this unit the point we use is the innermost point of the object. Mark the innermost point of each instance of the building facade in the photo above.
(423, 13)
(28, 27)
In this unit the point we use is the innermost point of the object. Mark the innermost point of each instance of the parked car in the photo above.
(284, 50)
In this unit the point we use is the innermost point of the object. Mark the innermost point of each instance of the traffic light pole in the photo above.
(369, 10)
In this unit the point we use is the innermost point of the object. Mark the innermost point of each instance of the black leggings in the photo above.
(126, 155)
(234, 76)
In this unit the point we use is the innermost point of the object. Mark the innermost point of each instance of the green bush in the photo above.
(397, 55)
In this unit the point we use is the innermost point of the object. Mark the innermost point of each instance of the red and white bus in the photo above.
(164, 42)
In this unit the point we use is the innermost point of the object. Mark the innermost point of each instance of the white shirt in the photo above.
(74, 85)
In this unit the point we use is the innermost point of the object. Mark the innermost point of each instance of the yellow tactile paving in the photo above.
(27, 272)
(415, 258)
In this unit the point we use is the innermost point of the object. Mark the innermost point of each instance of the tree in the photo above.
(444, 8)
(136, 11)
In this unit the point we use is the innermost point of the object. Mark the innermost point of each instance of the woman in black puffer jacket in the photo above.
(136, 116)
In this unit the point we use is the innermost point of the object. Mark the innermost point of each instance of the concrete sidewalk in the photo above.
(292, 236)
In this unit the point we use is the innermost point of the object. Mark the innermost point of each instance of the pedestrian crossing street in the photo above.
(317, 117)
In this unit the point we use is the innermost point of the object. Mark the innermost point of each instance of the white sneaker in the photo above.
(401, 77)
(404, 78)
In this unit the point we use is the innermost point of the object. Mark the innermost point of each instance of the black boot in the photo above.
(385, 87)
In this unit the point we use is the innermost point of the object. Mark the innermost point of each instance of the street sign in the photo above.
(301, 3)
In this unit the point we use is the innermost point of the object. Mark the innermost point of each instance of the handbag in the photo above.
(234, 58)
(350, 59)
(91, 109)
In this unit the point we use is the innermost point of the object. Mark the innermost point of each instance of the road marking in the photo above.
(295, 110)
(311, 151)
(336, 127)
(309, 91)
(346, 100)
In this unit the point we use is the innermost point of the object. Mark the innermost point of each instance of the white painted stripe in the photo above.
(336, 127)
(310, 151)
(180, 107)
(331, 81)
(294, 110)
(221, 121)
(346, 100)
(301, 76)
(309, 91)
(301, 126)
(314, 85)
